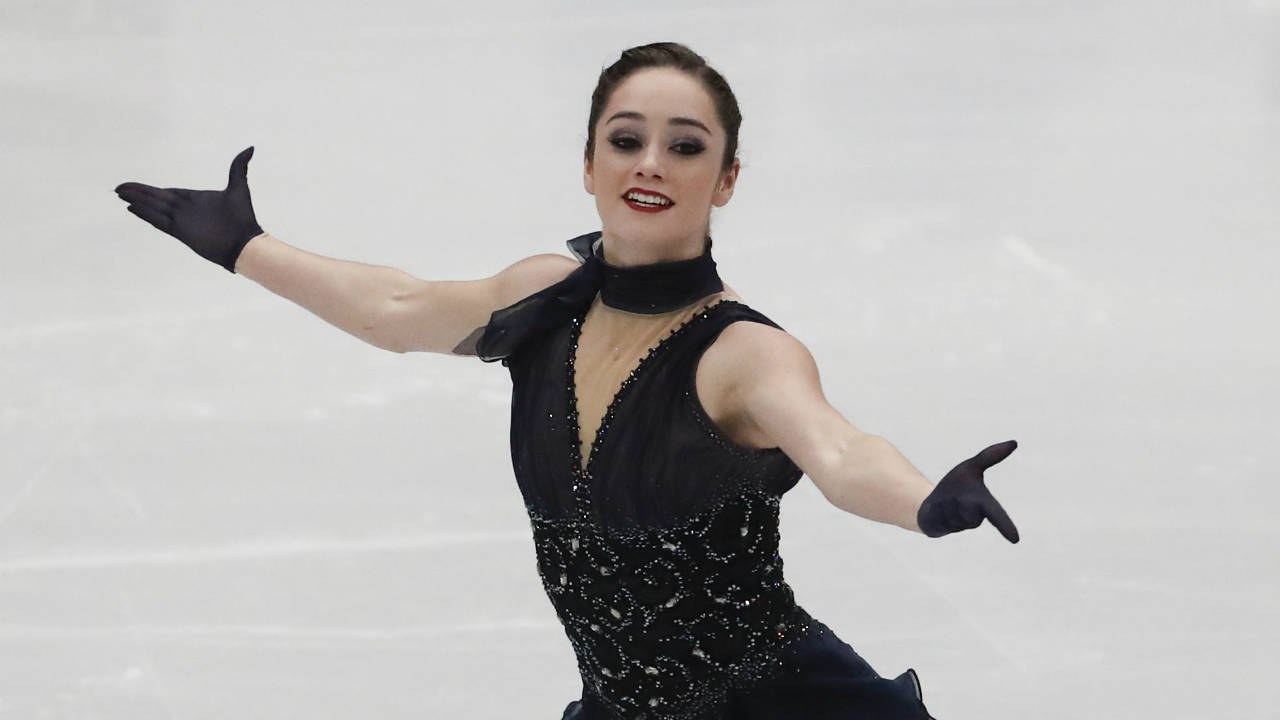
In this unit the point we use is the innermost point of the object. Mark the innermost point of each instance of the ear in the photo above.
(724, 190)
(588, 182)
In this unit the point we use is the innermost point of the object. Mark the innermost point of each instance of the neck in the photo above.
(657, 287)
(620, 252)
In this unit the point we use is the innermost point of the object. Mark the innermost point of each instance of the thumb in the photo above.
(994, 454)
(239, 170)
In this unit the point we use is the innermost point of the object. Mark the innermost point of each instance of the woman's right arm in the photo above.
(390, 308)
(383, 306)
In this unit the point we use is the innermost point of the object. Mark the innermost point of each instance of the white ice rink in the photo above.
(1043, 220)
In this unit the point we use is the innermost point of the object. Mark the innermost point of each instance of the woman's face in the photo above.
(659, 132)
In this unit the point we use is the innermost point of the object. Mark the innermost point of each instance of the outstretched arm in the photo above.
(381, 305)
(352, 296)
(221, 226)
(775, 386)
(390, 308)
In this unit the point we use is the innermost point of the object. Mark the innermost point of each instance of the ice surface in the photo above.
(1050, 221)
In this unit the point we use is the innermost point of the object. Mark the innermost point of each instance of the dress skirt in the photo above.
(822, 679)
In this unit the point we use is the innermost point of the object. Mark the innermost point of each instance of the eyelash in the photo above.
(616, 142)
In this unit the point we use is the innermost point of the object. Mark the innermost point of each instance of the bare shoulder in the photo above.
(745, 349)
(526, 277)
(749, 357)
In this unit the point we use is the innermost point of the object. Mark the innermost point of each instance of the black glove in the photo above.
(217, 224)
(960, 500)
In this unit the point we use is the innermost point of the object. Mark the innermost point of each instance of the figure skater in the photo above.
(656, 418)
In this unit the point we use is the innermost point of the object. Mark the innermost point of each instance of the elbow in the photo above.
(839, 473)
(395, 347)
(377, 336)
(844, 495)
(830, 476)
(389, 328)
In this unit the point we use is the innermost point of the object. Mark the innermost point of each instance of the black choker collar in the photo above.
(653, 288)
(650, 289)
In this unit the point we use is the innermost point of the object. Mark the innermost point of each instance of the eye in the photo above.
(627, 144)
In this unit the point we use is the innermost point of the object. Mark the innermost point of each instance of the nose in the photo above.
(649, 163)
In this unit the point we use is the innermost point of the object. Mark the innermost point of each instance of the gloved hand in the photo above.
(960, 500)
(217, 224)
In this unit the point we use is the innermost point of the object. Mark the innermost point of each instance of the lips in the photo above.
(646, 208)
(643, 191)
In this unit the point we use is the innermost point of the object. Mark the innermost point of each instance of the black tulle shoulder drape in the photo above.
(550, 307)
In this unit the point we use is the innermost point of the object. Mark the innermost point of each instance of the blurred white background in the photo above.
(1043, 220)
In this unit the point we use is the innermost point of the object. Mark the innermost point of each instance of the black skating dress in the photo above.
(661, 557)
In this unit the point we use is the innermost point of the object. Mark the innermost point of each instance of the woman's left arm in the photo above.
(775, 387)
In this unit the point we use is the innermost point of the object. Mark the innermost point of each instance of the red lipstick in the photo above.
(641, 207)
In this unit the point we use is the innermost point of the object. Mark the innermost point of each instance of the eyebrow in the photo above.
(633, 115)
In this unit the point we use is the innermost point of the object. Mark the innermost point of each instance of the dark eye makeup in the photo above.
(626, 143)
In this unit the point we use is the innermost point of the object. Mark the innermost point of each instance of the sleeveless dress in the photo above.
(660, 558)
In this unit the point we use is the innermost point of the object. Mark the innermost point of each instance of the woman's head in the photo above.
(661, 120)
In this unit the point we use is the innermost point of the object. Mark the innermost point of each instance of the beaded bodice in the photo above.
(660, 557)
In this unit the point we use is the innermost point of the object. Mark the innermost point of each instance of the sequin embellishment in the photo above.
(665, 621)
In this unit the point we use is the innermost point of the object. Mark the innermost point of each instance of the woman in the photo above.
(656, 528)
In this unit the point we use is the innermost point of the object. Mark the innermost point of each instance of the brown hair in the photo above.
(668, 54)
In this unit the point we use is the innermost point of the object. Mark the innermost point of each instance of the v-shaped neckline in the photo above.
(584, 468)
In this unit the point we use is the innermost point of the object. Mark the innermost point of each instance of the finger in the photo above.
(237, 177)
(1000, 519)
(148, 202)
(158, 220)
(994, 454)
(141, 188)
(181, 193)
(155, 197)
